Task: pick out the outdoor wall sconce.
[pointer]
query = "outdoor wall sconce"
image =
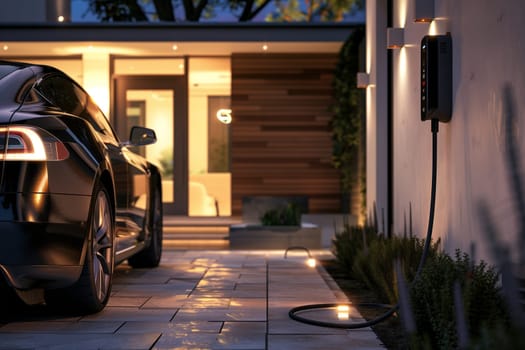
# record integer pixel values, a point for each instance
(424, 11)
(363, 80)
(395, 38)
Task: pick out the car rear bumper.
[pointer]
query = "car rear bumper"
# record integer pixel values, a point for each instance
(42, 238)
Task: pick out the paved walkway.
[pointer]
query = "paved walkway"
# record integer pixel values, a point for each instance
(198, 299)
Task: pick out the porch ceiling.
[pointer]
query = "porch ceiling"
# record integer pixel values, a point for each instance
(170, 40)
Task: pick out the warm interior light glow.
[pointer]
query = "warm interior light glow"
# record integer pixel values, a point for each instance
(174, 47)
(5, 47)
(265, 47)
(61, 19)
(95, 78)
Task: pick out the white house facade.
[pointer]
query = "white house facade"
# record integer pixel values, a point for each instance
(488, 56)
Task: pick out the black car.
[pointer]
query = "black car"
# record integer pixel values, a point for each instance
(74, 200)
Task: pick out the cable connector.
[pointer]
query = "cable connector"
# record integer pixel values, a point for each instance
(435, 126)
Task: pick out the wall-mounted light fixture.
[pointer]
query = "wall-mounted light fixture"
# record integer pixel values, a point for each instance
(424, 11)
(395, 38)
(363, 80)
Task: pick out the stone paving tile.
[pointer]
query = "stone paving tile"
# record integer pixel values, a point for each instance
(219, 315)
(168, 289)
(20, 341)
(135, 301)
(250, 290)
(171, 341)
(321, 342)
(59, 327)
(216, 300)
(132, 314)
(206, 303)
(166, 302)
(180, 328)
(242, 335)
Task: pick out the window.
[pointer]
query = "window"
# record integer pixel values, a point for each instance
(62, 93)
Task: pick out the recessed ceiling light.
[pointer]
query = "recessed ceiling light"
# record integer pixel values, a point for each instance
(60, 18)
(5, 47)
(265, 47)
(174, 47)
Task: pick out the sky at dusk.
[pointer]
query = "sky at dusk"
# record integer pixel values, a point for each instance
(80, 13)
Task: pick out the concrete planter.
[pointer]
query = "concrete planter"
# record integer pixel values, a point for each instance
(274, 237)
(330, 225)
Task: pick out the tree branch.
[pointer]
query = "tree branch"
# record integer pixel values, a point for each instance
(248, 14)
(164, 9)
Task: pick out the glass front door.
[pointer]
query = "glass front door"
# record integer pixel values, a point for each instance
(154, 109)
(157, 103)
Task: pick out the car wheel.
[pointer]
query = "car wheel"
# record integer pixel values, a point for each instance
(91, 292)
(9, 300)
(151, 255)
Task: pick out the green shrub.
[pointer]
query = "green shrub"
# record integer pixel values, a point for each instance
(375, 267)
(347, 244)
(289, 215)
(501, 337)
(433, 305)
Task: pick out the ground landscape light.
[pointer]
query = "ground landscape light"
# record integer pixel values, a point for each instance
(343, 312)
(311, 262)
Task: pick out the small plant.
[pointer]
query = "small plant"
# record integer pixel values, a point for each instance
(433, 305)
(290, 215)
(350, 242)
(375, 267)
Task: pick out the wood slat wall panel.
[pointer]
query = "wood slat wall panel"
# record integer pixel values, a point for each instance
(281, 138)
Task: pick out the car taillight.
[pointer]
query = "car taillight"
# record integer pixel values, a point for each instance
(30, 144)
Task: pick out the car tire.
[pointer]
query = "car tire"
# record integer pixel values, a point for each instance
(151, 255)
(10, 303)
(91, 292)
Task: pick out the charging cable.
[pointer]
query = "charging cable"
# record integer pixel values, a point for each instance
(294, 313)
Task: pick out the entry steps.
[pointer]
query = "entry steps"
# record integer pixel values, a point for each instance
(183, 232)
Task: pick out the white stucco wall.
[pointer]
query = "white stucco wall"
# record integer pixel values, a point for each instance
(376, 112)
(488, 52)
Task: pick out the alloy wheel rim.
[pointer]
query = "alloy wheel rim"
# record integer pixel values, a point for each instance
(157, 221)
(102, 251)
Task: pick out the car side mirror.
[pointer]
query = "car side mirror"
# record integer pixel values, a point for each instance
(140, 136)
